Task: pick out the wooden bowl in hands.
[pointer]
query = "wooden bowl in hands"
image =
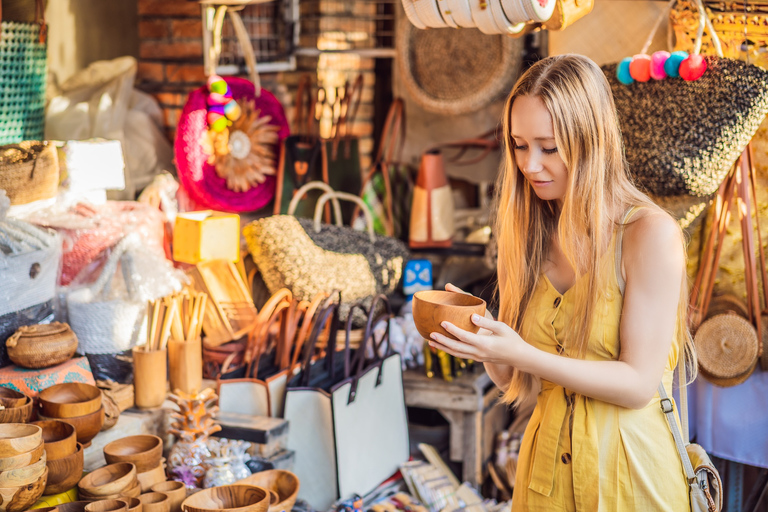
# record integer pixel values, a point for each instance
(108, 480)
(70, 400)
(18, 438)
(176, 492)
(21, 460)
(23, 476)
(20, 414)
(284, 483)
(235, 498)
(155, 502)
(17, 499)
(144, 451)
(59, 438)
(86, 427)
(432, 307)
(63, 474)
(107, 506)
(10, 398)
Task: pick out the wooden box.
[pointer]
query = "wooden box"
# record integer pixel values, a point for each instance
(205, 236)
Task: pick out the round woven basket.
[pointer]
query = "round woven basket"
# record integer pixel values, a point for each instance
(29, 171)
(727, 348)
(42, 346)
(454, 72)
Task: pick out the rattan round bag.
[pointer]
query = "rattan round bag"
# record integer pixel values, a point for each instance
(454, 72)
(41, 346)
(29, 171)
(727, 349)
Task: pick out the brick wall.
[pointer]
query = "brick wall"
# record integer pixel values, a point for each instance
(171, 65)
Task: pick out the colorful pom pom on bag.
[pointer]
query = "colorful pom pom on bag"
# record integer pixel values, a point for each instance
(229, 133)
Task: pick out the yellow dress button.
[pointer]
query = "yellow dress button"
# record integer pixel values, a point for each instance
(566, 458)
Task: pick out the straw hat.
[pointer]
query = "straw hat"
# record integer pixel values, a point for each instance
(456, 71)
(727, 349)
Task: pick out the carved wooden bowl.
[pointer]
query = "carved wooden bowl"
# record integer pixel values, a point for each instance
(235, 498)
(21, 460)
(432, 307)
(18, 499)
(107, 506)
(63, 474)
(69, 400)
(284, 483)
(11, 398)
(20, 414)
(134, 504)
(18, 438)
(86, 427)
(59, 438)
(72, 506)
(23, 476)
(154, 476)
(144, 451)
(108, 480)
(176, 492)
(155, 502)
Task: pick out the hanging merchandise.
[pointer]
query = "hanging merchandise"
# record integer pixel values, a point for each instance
(23, 52)
(681, 135)
(490, 16)
(29, 265)
(432, 209)
(228, 134)
(567, 12)
(29, 171)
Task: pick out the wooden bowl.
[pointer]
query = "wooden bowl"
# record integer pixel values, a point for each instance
(154, 476)
(59, 438)
(176, 492)
(24, 459)
(11, 398)
(23, 476)
(133, 491)
(134, 504)
(144, 451)
(155, 502)
(18, 438)
(69, 400)
(110, 479)
(72, 506)
(63, 474)
(107, 506)
(20, 414)
(432, 307)
(235, 498)
(86, 427)
(18, 499)
(47, 509)
(284, 483)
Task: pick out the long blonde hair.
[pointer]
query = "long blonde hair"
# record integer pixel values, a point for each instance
(586, 129)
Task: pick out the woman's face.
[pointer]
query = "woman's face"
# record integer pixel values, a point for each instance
(535, 149)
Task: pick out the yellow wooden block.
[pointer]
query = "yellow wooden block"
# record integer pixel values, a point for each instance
(205, 236)
(56, 499)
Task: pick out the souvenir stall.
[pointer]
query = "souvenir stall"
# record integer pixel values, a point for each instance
(222, 252)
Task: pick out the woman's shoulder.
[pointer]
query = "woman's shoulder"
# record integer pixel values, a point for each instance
(652, 232)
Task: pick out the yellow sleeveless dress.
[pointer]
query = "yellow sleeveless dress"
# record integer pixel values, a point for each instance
(586, 455)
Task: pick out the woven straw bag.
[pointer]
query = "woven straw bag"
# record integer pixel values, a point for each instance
(42, 346)
(29, 171)
(106, 324)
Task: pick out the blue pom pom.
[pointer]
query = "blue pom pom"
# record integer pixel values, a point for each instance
(672, 66)
(622, 72)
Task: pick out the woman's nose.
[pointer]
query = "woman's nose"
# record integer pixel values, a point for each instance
(532, 163)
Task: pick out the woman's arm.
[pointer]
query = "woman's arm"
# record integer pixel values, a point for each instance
(654, 268)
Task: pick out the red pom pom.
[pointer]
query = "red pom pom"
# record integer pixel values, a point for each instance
(640, 67)
(693, 67)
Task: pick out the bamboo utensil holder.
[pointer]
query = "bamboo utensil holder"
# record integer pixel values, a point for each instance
(150, 375)
(185, 361)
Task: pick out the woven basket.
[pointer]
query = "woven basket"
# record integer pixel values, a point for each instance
(23, 71)
(727, 349)
(29, 171)
(42, 346)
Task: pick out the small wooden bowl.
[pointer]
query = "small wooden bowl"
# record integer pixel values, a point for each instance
(144, 451)
(235, 498)
(155, 502)
(63, 474)
(107, 506)
(18, 499)
(176, 492)
(86, 427)
(134, 504)
(72, 506)
(23, 476)
(10, 398)
(432, 307)
(59, 438)
(70, 400)
(133, 491)
(18, 438)
(110, 479)
(46, 509)
(154, 476)
(24, 459)
(284, 483)
(20, 414)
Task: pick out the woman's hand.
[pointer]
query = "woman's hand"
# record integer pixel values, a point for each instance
(495, 342)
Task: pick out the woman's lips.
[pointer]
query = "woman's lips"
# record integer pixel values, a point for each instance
(540, 183)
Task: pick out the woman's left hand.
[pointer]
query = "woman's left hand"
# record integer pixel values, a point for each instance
(502, 346)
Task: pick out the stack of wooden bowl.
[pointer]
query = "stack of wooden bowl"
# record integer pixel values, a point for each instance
(243, 498)
(23, 473)
(110, 482)
(283, 483)
(75, 403)
(64, 454)
(15, 407)
(143, 451)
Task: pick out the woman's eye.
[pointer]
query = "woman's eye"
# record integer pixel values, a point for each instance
(520, 147)
(549, 151)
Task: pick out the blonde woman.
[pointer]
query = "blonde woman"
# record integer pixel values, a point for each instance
(593, 295)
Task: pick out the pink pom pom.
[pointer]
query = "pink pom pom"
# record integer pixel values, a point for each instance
(658, 59)
(215, 98)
